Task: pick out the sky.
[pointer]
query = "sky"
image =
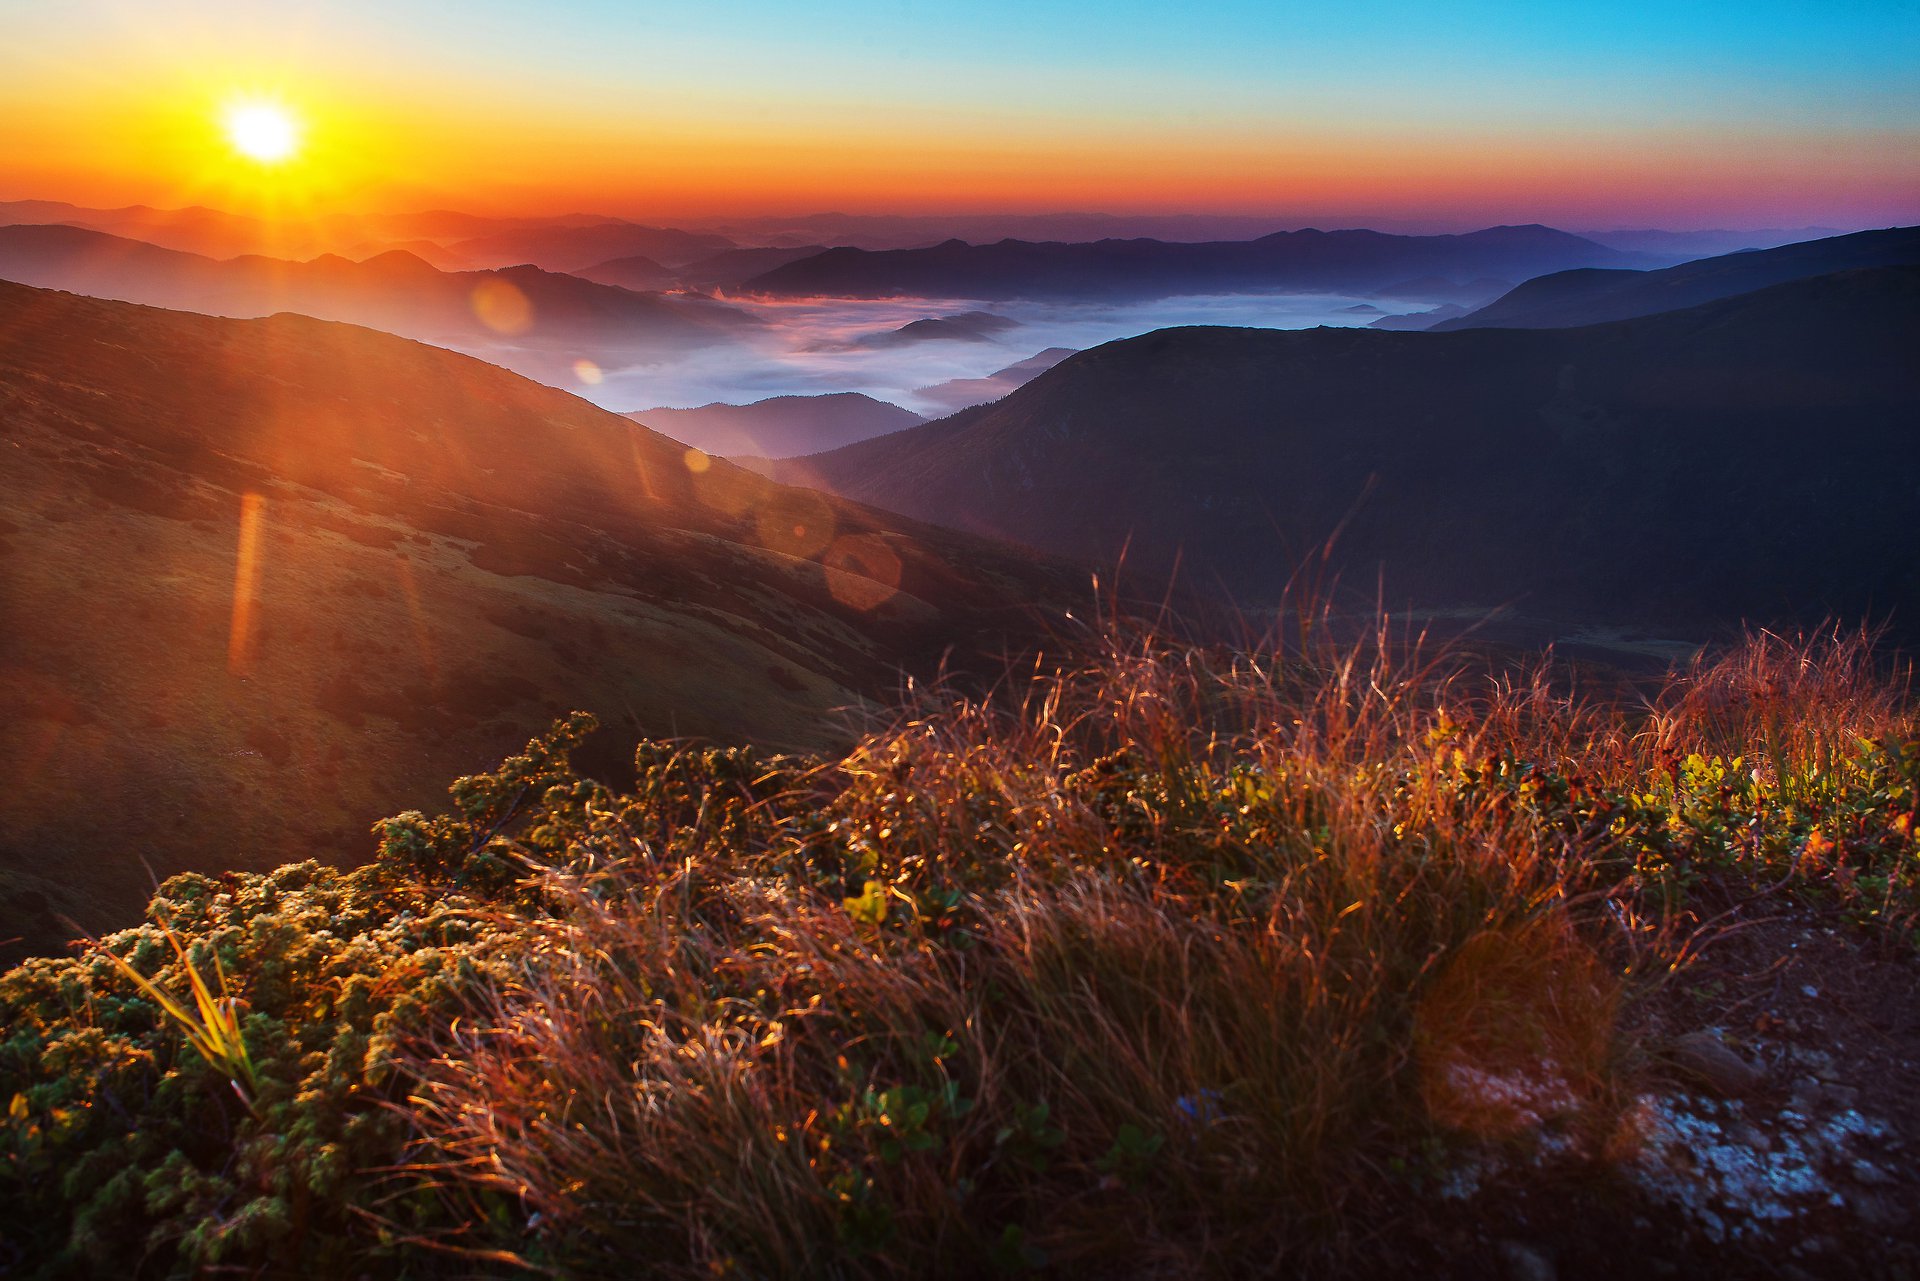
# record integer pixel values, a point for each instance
(1760, 113)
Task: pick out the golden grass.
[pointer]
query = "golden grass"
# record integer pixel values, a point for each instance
(1141, 965)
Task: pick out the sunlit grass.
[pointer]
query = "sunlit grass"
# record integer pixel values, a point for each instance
(1174, 959)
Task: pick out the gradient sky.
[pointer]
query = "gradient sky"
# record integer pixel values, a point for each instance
(1758, 113)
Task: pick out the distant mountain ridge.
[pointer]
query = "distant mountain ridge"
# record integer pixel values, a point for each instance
(967, 326)
(551, 319)
(1354, 261)
(220, 234)
(780, 426)
(576, 248)
(1725, 461)
(721, 271)
(958, 393)
(1588, 297)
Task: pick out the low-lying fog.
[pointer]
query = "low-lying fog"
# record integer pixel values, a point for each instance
(812, 347)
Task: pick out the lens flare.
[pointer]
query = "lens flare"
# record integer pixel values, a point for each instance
(246, 586)
(501, 307)
(867, 571)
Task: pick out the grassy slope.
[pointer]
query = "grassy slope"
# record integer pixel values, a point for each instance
(1184, 961)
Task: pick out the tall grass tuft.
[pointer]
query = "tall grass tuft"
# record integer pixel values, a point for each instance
(212, 1025)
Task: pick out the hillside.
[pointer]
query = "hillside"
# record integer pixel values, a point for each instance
(1591, 296)
(268, 580)
(1360, 261)
(1695, 467)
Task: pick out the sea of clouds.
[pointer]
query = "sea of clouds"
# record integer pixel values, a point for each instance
(808, 347)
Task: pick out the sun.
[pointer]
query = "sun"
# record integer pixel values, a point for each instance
(262, 131)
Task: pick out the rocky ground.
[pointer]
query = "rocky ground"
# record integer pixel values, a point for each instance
(1775, 1130)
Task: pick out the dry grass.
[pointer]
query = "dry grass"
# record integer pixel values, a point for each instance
(1148, 969)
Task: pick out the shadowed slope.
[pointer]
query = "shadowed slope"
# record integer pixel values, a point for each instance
(1737, 459)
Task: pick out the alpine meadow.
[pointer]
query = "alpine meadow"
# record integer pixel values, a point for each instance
(886, 641)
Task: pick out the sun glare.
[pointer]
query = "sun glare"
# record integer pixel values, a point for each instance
(262, 131)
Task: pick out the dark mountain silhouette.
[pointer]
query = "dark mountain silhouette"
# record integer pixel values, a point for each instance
(267, 580)
(1354, 261)
(1744, 458)
(535, 321)
(1590, 297)
(968, 326)
(958, 393)
(782, 425)
(577, 248)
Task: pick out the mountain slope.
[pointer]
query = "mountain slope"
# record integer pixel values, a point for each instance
(267, 580)
(1734, 459)
(1588, 297)
(1343, 260)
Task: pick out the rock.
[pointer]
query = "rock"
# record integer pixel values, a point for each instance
(1703, 1058)
(1523, 1262)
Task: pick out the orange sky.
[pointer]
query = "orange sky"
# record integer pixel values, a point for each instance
(517, 118)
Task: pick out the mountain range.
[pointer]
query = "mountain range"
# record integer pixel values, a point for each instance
(1336, 261)
(527, 318)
